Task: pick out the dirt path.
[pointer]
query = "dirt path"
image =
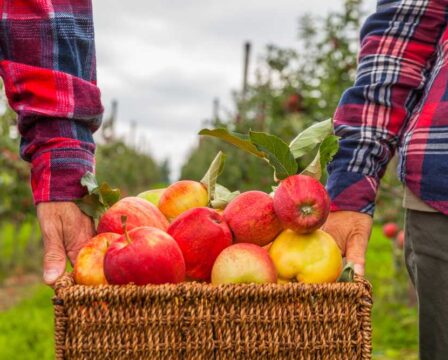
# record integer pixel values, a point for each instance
(16, 288)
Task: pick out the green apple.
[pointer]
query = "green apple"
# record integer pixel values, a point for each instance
(153, 196)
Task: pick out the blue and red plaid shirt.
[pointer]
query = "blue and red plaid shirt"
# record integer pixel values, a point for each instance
(399, 101)
(47, 62)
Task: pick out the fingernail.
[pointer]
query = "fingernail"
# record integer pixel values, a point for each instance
(50, 276)
(359, 269)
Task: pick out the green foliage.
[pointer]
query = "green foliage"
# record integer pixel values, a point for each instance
(222, 197)
(122, 166)
(263, 145)
(277, 153)
(254, 173)
(99, 197)
(27, 330)
(211, 176)
(284, 158)
(311, 137)
(20, 248)
(395, 330)
(241, 141)
(327, 150)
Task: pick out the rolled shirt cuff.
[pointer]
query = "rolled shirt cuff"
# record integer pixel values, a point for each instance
(351, 191)
(57, 171)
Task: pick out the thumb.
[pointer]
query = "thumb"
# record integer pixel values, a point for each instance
(54, 258)
(356, 253)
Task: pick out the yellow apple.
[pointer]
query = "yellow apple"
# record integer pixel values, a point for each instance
(89, 269)
(310, 258)
(182, 196)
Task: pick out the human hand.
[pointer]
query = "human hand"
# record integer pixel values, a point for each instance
(351, 230)
(65, 230)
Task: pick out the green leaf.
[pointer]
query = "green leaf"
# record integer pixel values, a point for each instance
(347, 273)
(91, 205)
(107, 195)
(309, 138)
(210, 177)
(241, 141)
(314, 169)
(223, 196)
(327, 150)
(277, 153)
(98, 199)
(89, 181)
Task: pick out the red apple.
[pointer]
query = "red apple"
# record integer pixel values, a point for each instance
(252, 218)
(89, 263)
(182, 196)
(243, 263)
(390, 229)
(139, 212)
(144, 255)
(293, 103)
(201, 234)
(301, 203)
(400, 239)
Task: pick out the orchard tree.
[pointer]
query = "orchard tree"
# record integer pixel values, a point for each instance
(128, 169)
(293, 88)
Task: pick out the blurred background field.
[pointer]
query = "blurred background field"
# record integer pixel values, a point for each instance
(286, 90)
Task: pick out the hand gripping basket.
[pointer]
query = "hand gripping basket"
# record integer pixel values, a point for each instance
(202, 321)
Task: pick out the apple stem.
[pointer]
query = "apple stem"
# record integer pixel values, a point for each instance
(306, 210)
(124, 220)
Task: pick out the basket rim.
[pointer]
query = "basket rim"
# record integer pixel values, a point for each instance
(66, 284)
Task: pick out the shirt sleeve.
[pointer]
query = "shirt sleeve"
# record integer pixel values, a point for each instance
(47, 62)
(398, 47)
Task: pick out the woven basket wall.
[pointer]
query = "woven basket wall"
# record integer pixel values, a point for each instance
(201, 321)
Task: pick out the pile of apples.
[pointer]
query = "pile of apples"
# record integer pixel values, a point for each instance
(171, 235)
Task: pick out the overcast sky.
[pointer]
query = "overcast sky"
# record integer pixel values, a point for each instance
(166, 60)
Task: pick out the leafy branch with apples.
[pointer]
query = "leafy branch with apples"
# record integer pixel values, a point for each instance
(202, 231)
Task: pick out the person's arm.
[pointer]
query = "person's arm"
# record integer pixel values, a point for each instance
(47, 62)
(398, 46)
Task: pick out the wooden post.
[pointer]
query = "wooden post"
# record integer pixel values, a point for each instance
(242, 114)
(215, 109)
(108, 127)
(247, 48)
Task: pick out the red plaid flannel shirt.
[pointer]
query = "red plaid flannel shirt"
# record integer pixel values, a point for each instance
(399, 101)
(47, 62)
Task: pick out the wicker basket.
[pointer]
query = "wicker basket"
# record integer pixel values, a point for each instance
(202, 321)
